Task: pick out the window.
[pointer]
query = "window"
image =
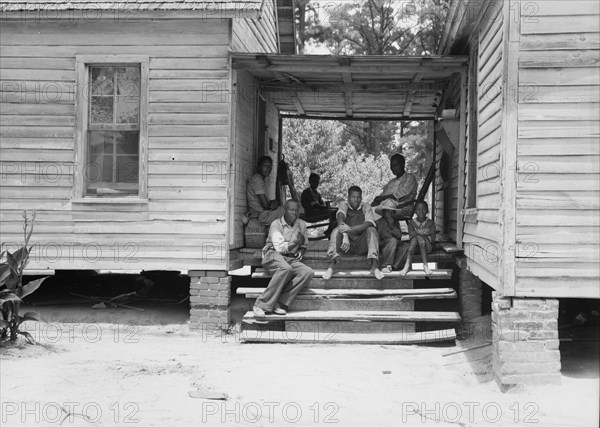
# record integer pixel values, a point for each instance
(112, 118)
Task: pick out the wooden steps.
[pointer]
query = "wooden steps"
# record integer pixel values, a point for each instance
(354, 307)
(407, 338)
(354, 316)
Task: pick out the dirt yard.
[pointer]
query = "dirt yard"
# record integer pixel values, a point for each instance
(139, 368)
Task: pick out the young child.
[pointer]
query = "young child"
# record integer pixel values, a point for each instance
(389, 233)
(422, 235)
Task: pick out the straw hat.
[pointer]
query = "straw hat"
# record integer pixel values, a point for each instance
(388, 204)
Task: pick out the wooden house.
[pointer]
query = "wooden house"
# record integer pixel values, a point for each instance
(117, 129)
(132, 126)
(517, 189)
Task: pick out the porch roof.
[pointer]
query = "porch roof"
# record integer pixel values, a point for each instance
(353, 87)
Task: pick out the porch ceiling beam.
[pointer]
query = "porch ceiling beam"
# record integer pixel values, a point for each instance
(409, 102)
(364, 117)
(298, 104)
(355, 68)
(419, 88)
(348, 101)
(265, 62)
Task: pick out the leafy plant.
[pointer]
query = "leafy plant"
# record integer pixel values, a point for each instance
(12, 290)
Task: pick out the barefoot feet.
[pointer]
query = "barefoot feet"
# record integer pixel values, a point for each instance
(328, 273)
(377, 273)
(426, 269)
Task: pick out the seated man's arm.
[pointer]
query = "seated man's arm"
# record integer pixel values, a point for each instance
(369, 220)
(411, 230)
(279, 243)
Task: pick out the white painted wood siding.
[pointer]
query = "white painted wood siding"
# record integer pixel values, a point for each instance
(183, 223)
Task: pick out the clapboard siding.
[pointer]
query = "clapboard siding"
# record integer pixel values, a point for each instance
(558, 152)
(244, 152)
(183, 224)
(482, 232)
(256, 35)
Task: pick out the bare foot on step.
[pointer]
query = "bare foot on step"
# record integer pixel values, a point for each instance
(403, 272)
(328, 273)
(427, 270)
(377, 273)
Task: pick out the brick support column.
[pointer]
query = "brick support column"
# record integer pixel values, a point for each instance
(210, 295)
(525, 340)
(469, 295)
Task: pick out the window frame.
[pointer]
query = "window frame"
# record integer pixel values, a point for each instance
(83, 63)
(472, 170)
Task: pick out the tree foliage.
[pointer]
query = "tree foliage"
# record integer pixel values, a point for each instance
(318, 146)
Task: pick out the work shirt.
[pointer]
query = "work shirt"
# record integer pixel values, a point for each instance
(401, 187)
(358, 216)
(255, 186)
(281, 234)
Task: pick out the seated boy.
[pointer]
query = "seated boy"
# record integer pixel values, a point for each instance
(390, 235)
(355, 233)
(422, 235)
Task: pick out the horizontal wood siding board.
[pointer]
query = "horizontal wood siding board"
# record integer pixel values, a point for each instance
(548, 42)
(560, 24)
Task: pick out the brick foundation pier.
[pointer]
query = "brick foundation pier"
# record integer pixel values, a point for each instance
(210, 295)
(525, 340)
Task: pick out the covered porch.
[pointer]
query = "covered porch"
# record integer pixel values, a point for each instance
(366, 88)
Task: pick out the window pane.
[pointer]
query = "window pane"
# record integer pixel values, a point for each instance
(127, 169)
(128, 82)
(107, 169)
(128, 94)
(102, 80)
(128, 110)
(127, 142)
(102, 110)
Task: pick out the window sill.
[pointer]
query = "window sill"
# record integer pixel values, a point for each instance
(123, 200)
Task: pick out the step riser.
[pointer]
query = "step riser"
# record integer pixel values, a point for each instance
(351, 305)
(317, 262)
(323, 330)
(361, 283)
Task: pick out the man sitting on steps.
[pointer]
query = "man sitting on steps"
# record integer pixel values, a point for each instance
(259, 205)
(281, 258)
(355, 233)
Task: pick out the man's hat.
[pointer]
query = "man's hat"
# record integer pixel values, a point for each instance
(388, 204)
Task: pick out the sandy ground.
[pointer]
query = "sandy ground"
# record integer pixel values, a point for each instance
(138, 369)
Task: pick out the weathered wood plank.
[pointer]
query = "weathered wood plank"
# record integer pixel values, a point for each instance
(559, 129)
(559, 76)
(319, 292)
(537, 180)
(404, 338)
(558, 200)
(361, 316)
(561, 112)
(557, 218)
(559, 58)
(559, 24)
(558, 287)
(532, 93)
(414, 274)
(545, 42)
(564, 165)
